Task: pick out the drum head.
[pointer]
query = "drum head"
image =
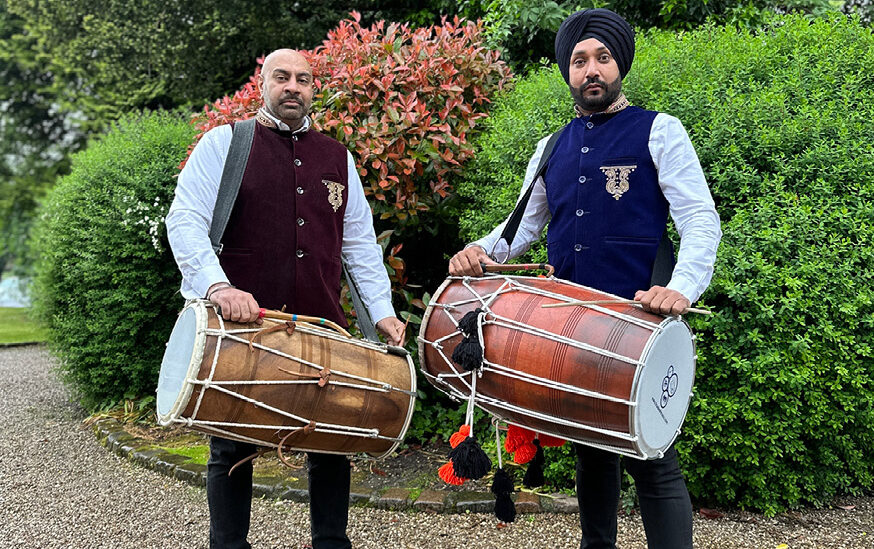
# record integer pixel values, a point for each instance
(181, 358)
(664, 388)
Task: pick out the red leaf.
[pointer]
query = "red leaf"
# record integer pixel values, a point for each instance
(710, 513)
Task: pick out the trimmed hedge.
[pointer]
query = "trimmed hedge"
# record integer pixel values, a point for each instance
(783, 122)
(105, 277)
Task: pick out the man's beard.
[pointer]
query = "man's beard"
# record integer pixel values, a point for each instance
(280, 111)
(602, 101)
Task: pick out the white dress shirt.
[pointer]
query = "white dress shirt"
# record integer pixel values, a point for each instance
(682, 182)
(190, 218)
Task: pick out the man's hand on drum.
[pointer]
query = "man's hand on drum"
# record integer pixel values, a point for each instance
(469, 262)
(659, 299)
(393, 329)
(236, 305)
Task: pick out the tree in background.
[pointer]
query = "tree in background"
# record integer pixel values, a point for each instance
(524, 30)
(34, 137)
(71, 67)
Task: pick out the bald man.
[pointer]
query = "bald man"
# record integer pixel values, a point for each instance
(614, 175)
(300, 207)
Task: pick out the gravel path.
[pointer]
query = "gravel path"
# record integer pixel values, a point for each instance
(60, 489)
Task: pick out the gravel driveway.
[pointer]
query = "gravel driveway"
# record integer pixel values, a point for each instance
(60, 489)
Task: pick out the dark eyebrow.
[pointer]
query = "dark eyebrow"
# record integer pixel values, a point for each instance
(282, 72)
(601, 49)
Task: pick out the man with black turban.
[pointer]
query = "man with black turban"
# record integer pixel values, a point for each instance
(606, 183)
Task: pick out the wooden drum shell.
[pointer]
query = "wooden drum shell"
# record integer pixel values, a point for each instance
(334, 404)
(550, 358)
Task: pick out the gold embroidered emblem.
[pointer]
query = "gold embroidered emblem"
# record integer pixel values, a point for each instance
(617, 179)
(335, 193)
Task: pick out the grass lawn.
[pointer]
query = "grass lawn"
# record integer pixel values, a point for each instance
(17, 327)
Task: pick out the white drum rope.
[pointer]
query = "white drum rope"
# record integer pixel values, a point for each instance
(222, 334)
(289, 415)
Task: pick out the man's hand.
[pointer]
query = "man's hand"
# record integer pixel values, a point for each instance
(659, 299)
(236, 305)
(468, 262)
(393, 329)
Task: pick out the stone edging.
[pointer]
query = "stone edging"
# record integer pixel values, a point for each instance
(116, 439)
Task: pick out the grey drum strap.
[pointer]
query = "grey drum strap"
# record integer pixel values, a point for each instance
(232, 177)
(663, 267)
(365, 323)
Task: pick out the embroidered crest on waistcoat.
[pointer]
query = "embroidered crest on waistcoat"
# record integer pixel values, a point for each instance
(617, 179)
(335, 193)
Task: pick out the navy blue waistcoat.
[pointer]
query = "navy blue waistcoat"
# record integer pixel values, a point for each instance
(608, 211)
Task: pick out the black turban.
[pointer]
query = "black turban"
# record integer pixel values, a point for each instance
(604, 25)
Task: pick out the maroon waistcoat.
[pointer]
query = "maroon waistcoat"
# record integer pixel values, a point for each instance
(283, 239)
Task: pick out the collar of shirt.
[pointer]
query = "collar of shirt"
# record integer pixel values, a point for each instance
(267, 119)
(618, 105)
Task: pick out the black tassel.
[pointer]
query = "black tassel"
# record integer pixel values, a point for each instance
(469, 460)
(534, 474)
(502, 487)
(468, 353)
(469, 322)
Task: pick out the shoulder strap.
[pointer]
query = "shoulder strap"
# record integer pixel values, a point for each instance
(232, 177)
(509, 232)
(663, 267)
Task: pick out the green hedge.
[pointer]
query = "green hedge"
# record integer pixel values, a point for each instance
(105, 277)
(783, 122)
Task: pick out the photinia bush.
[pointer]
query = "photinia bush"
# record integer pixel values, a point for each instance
(404, 101)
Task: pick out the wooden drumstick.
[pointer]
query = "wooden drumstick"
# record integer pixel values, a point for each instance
(616, 302)
(277, 315)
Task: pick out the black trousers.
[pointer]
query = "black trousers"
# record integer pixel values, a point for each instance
(664, 500)
(230, 497)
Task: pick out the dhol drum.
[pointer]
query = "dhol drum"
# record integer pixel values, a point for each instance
(613, 377)
(291, 385)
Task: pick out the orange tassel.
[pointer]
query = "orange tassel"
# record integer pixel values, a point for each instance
(447, 475)
(525, 453)
(459, 436)
(516, 437)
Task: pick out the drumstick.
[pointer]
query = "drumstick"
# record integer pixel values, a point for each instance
(616, 302)
(277, 315)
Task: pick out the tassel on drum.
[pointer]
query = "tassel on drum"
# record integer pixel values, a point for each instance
(469, 352)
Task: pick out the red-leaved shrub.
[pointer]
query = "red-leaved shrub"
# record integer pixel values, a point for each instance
(403, 100)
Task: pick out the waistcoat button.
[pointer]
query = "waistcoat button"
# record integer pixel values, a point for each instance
(297, 161)
(300, 253)
(582, 179)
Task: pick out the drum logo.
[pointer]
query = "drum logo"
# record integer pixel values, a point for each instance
(669, 386)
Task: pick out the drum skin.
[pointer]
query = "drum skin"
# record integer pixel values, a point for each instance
(333, 404)
(546, 358)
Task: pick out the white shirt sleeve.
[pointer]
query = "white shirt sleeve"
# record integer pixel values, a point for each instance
(361, 253)
(536, 214)
(190, 215)
(691, 205)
